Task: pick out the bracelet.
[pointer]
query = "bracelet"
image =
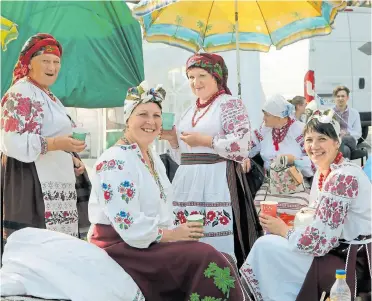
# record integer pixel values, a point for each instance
(44, 145)
(212, 143)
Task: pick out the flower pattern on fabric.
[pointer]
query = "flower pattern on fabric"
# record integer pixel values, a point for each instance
(21, 114)
(61, 217)
(211, 217)
(160, 235)
(332, 212)
(250, 278)
(124, 220)
(301, 141)
(342, 185)
(234, 141)
(315, 242)
(258, 135)
(180, 216)
(215, 218)
(107, 192)
(110, 165)
(127, 191)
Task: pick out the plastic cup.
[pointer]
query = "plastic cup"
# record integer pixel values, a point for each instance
(269, 208)
(168, 121)
(79, 134)
(196, 218)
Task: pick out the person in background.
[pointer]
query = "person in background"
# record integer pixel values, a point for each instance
(39, 171)
(211, 140)
(300, 105)
(281, 137)
(349, 119)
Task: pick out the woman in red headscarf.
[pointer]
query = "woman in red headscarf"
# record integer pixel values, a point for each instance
(212, 138)
(38, 169)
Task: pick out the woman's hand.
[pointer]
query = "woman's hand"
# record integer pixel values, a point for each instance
(188, 231)
(79, 166)
(65, 143)
(196, 139)
(246, 165)
(170, 136)
(274, 225)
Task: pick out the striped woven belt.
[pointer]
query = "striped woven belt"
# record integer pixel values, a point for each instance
(200, 158)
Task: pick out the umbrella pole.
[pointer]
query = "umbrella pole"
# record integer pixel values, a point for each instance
(237, 49)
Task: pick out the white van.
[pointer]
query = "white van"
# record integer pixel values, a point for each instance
(344, 58)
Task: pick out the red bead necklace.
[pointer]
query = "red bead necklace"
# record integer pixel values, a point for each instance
(47, 91)
(279, 134)
(322, 177)
(200, 106)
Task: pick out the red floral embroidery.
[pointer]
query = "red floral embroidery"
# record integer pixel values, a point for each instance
(332, 212)
(342, 185)
(107, 192)
(110, 165)
(21, 114)
(211, 215)
(258, 135)
(234, 147)
(250, 278)
(316, 243)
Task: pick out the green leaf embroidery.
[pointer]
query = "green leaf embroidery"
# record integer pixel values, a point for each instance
(194, 297)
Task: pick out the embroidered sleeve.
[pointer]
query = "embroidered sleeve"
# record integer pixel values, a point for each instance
(235, 141)
(256, 142)
(21, 121)
(119, 196)
(324, 232)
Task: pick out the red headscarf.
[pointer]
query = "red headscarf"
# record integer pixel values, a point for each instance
(39, 42)
(214, 64)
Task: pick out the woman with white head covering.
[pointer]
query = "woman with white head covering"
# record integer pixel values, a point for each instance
(280, 136)
(333, 233)
(131, 209)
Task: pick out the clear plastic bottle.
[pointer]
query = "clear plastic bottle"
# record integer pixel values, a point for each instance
(340, 291)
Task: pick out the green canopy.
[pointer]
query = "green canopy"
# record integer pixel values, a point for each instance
(102, 48)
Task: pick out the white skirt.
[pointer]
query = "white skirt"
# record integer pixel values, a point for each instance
(273, 272)
(202, 189)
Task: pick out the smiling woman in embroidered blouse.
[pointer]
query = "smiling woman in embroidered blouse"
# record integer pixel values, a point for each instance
(281, 136)
(38, 179)
(335, 230)
(131, 209)
(213, 136)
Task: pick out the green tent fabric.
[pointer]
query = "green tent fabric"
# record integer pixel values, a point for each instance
(102, 48)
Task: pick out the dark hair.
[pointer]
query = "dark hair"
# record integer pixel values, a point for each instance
(341, 88)
(327, 129)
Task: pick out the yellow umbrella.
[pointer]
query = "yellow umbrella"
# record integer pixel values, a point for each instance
(221, 25)
(9, 32)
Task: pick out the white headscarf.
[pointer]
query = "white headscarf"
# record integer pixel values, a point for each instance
(142, 94)
(278, 106)
(327, 116)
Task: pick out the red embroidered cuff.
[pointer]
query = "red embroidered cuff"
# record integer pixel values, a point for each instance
(160, 235)
(44, 145)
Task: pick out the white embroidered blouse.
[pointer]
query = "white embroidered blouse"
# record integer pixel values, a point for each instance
(343, 211)
(126, 195)
(226, 121)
